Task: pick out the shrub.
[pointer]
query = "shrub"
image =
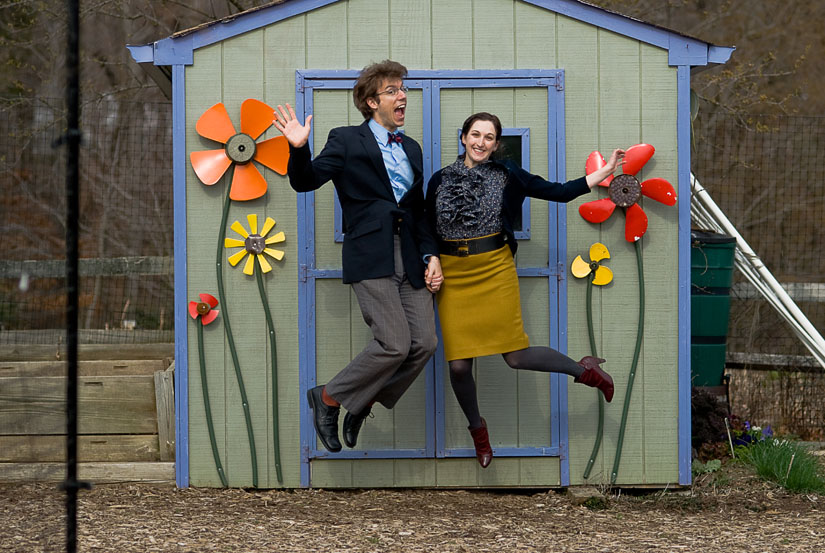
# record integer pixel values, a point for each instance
(789, 464)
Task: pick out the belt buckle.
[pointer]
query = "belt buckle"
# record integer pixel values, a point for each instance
(463, 249)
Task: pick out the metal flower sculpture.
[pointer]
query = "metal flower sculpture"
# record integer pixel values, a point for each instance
(205, 310)
(601, 274)
(255, 244)
(625, 191)
(239, 148)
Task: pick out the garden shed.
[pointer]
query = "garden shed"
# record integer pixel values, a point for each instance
(566, 78)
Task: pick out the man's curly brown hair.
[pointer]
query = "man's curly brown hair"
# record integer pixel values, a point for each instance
(370, 78)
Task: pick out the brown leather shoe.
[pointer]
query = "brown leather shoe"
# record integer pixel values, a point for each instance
(481, 440)
(595, 377)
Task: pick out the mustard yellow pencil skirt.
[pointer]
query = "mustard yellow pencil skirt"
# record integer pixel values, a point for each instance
(479, 305)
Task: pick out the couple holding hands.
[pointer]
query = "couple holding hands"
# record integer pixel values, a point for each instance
(401, 247)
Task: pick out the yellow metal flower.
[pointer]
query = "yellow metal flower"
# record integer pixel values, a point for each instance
(581, 268)
(255, 244)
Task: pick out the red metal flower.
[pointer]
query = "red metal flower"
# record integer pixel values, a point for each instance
(239, 148)
(205, 309)
(625, 191)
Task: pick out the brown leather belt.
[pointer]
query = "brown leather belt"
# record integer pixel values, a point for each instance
(472, 246)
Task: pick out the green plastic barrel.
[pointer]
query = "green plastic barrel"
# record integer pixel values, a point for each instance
(711, 276)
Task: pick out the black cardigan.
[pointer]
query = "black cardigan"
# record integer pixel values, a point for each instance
(520, 185)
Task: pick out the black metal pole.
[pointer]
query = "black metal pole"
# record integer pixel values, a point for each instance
(72, 140)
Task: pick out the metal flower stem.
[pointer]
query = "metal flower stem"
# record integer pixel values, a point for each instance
(632, 375)
(207, 407)
(231, 341)
(594, 353)
(274, 362)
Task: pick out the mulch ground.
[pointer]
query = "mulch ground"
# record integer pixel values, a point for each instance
(728, 511)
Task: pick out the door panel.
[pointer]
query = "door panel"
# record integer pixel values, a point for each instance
(526, 411)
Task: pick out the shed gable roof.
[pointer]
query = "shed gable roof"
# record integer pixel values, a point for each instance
(178, 49)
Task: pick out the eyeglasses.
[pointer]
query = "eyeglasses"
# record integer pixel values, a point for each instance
(392, 91)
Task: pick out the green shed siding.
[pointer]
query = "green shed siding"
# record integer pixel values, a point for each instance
(618, 92)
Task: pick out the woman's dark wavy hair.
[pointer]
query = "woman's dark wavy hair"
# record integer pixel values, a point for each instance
(370, 79)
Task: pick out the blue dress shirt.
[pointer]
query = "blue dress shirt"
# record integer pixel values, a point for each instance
(395, 160)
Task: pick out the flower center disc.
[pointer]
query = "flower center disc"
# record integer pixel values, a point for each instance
(240, 148)
(203, 308)
(255, 243)
(625, 190)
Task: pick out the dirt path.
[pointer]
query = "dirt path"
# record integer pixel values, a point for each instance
(729, 515)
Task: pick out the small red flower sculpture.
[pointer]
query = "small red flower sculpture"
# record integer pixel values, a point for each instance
(239, 148)
(205, 309)
(625, 191)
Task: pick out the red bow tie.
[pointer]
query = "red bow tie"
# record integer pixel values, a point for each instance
(393, 137)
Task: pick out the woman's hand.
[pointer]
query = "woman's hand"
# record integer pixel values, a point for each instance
(286, 122)
(616, 159)
(597, 176)
(433, 277)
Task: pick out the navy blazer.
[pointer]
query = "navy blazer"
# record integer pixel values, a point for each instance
(352, 160)
(520, 185)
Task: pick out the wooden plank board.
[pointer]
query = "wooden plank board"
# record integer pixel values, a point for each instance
(97, 473)
(535, 37)
(493, 35)
(451, 32)
(411, 33)
(107, 405)
(93, 448)
(367, 32)
(84, 368)
(37, 352)
(203, 215)
(658, 383)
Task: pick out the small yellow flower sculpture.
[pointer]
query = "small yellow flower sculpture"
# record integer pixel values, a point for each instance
(255, 244)
(581, 268)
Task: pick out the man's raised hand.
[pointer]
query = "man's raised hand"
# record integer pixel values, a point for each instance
(286, 122)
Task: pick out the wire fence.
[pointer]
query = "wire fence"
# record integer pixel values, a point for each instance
(766, 173)
(126, 287)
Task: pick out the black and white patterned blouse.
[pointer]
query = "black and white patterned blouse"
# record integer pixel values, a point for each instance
(468, 202)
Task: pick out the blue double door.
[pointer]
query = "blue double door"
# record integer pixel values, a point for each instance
(526, 412)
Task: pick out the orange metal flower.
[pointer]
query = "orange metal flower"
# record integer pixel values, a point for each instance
(205, 309)
(239, 148)
(625, 191)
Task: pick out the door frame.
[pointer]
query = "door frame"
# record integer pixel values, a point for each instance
(431, 83)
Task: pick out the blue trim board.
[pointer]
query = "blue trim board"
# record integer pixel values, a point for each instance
(181, 290)
(684, 370)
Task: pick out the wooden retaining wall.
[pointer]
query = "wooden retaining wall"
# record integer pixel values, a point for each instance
(125, 412)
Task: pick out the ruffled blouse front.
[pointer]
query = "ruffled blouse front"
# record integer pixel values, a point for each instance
(469, 201)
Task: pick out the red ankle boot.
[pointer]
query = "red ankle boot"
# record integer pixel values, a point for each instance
(484, 453)
(595, 377)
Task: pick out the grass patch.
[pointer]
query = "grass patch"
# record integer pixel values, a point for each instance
(788, 464)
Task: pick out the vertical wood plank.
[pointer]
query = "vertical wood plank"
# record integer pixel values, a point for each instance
(660, 379)
(204, 88)
(452, 30)
(368, 32)
(410, 33)
(493, 37)
(534, 37)
(326, 37)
